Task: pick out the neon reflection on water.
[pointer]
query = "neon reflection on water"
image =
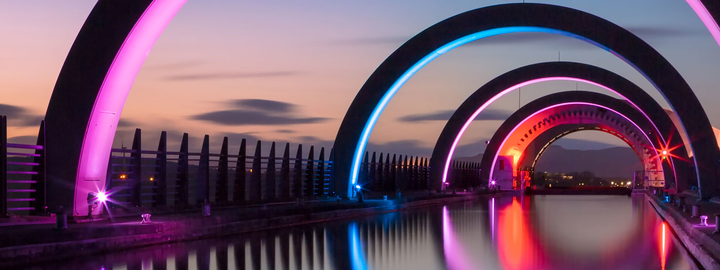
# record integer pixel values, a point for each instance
(492, 220)
(454, 255)
(663, 246)
(356, 255)
(515, 242)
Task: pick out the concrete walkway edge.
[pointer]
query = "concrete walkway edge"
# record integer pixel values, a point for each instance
(17, 256)
(704, 249)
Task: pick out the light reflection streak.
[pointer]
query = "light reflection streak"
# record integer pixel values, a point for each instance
(516, 247)
(663, 247)
(454, 253)
(492, 221)
(358, 261)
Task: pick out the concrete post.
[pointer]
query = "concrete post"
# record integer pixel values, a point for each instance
(681, 201)
(240, 175)
(206, 209)
(61, 219)
(695, 210)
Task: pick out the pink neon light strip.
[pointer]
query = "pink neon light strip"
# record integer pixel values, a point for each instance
(523, 84)
(706, 18)
(100, 132)
(492, 168)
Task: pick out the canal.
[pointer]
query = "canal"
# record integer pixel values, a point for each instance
(534, 232)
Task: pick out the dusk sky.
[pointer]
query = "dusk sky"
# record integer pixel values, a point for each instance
(286, 71)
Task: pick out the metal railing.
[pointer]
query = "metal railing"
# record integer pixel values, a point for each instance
(22, 174)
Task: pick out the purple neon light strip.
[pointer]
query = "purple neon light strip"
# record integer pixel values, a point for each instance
(523, 84)
(492, 168)
(706, 18)
(100, 132)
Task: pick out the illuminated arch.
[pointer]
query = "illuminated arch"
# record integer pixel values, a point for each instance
(709, 12)
(537, 147)
(107, 54)
(570, 109)
(473, 25)
(523, 76)
(90, 93)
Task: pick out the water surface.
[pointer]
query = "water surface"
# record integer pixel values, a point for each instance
(536, 232)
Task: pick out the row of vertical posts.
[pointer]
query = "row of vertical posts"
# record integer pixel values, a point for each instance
(463, 174)
(22, 174)
(384, 174)
(256, 178)
(390, 175)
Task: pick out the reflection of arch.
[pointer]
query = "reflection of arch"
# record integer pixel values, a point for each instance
(455, 256)
(480, 23)
(569, 109)
(473, 105)
(632, 241)
(90, 94)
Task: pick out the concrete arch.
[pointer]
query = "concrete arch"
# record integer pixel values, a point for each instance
(569, 110)
(709, 13)
(668, 134)
(90, 93)
(107, 54)
(495, 20)
(537, 147)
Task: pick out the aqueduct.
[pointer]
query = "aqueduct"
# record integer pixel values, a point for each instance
(92, 87)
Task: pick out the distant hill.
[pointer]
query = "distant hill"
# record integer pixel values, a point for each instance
(610, 162)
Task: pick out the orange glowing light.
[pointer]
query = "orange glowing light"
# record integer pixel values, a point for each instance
(516, 245)
(122, 176)
(152, 178)
(663, 246)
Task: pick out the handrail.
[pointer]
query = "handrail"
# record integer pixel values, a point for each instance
(25, 146)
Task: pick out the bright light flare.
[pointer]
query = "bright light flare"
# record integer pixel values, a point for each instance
(101, 196)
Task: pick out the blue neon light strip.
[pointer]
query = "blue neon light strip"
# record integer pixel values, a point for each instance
(367, 130)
